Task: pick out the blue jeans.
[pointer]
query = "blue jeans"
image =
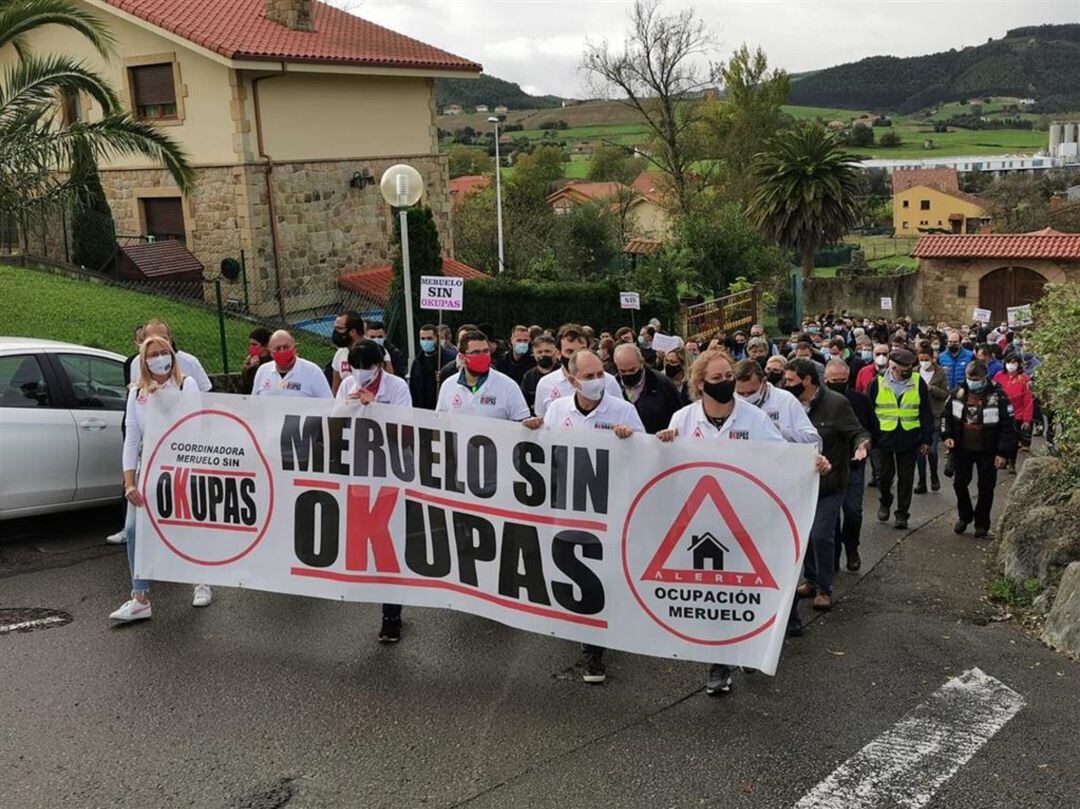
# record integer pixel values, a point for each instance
(935, 446)
(820, 564)
(141, 586)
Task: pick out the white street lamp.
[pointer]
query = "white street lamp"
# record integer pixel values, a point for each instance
(498, 190)
(401, 187)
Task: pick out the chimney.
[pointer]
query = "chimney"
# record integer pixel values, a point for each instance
(295, 14)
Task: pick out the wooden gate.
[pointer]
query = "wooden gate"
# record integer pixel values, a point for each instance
(737, 311)
(1009, 286)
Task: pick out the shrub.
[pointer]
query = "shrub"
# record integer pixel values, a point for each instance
(1056, 341)
(890, 138)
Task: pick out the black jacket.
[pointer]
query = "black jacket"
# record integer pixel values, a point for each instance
(422, 383)
(529, 382)
(901, 440)
(515, 369)
(834, 418)
(397, 358)
(960, 421)
(864, 412)
(658, 402)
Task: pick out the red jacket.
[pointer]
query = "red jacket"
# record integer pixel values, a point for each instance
(1018, 388)
(866, 375)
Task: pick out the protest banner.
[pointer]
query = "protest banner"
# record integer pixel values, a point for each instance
(443, 293)
(981, 315)
(1019, 315)
(886, 304)
(663, 343)
(690, 550)
(629, 300)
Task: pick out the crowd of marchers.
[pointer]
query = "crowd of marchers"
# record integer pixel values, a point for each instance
(881, 401)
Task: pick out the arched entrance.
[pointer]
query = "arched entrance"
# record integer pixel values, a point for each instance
(1009, 286)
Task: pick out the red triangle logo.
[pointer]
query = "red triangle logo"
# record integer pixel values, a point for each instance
(698, 434)
(568, 424)
(457, 400)
(759, 576)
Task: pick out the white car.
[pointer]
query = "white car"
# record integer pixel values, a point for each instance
(61, 406)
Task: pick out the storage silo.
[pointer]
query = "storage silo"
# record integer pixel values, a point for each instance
(1055, 137)
(1069, 134)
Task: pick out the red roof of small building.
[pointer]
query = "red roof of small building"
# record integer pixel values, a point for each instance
(373, 283)
(939, 179)
(1048, 244)
(167, 258)
(652, 185)
(643, 247)
(240, 29)
(461, 187)
(589, 191)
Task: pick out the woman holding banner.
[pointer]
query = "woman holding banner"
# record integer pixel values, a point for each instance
(159, 376)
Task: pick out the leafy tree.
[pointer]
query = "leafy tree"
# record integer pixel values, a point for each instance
(465, 160)
(656, 73)
(751, 113)
(536, 173)
(36, 151)
(862, 135)
(806, 191)
(890, 139)
(586, 239)
(1056, 339)
(425, 258)
(614, 163)
(93, 230)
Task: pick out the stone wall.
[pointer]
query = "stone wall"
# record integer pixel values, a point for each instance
(942, 280)
(861, 295)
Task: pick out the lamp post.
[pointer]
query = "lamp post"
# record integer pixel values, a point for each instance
(498, 190)
(401, 187)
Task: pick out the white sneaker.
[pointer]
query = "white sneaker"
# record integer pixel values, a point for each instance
(116, 539)
(202, 595)
(131, 611)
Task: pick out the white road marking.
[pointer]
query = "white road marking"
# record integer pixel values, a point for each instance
(908, 763)
(34, 624)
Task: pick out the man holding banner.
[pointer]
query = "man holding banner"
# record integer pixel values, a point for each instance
(480, 390)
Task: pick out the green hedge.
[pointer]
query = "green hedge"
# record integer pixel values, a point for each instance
(504, 302)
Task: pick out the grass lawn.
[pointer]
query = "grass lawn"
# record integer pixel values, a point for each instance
(617, 133)
(825, 113)
(54, 307)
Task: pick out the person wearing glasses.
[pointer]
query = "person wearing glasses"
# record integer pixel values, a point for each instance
(478, 389)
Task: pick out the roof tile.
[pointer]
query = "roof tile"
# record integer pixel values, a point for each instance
(374, 282)
(1053, 245)
(941, 179)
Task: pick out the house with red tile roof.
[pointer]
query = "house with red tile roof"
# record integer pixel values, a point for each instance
(930, 201)
(958, 273)
(461, 187)
(640, 203)
(290, 111)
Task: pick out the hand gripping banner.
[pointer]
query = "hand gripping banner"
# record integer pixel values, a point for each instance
(689, 550)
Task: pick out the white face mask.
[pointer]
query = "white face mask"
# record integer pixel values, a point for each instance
(1011, 367)
(926, 365)
(592, 389)
(160, 365)
(880, 360)
(364, 377)
(754, 398)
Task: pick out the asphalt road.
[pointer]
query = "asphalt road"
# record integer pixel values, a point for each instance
(273, 701)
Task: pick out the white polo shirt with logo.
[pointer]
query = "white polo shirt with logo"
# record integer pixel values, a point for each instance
(555, 386)
(564, 414)
(305, 378)
(497, 397)
(789, 416)
(746, 422)
(393, 390)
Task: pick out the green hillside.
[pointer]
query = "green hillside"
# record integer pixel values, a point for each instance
(1040, 62)
(491, 91)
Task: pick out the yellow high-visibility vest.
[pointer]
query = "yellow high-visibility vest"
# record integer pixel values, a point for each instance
(891, 413)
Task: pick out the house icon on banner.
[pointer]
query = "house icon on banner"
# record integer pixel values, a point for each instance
(708, 549)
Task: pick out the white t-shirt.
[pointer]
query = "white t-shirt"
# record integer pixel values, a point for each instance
(189, 367)
(136, 407)
(789, 416)
(393, 390)
(563, 414)
(498, 397)
(341, 362)
(556, 385)
(746, 422)
(305, 378)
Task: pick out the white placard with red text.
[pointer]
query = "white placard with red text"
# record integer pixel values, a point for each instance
(690, 550)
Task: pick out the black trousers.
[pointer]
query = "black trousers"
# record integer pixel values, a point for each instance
(899, 465)
(391, 612)
(966, 462)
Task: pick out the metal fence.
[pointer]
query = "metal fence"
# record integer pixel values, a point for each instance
(737, 311)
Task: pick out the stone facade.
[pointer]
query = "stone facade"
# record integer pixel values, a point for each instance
(940, 282)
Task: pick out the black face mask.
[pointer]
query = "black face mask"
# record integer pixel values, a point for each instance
(339, 338)
(629, 380)
(954, 349)
(721, 392)
(795, 390)
(775, 377)
(564, 362)
(672, 370)
(839, 387)
(546, 362)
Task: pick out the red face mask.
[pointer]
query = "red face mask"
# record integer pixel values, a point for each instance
(478, 363)
(254, 351)
(284, 357)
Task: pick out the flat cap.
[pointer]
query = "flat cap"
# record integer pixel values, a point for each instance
(901, 356)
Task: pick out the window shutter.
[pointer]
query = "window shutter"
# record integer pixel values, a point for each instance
(164, 217)
(153, 84)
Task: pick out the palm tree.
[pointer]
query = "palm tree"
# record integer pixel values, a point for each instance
(36, 150)
(805, 191)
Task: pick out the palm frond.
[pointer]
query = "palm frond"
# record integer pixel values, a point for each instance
(36, 81)
(20, 17)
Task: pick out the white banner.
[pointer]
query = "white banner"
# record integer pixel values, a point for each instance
(1019, 315)
(981, 315)
(442, 292)
(886, 304)
(629, 300)
(689, 550)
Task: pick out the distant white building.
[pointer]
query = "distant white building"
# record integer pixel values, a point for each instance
(995, 164)
(452, 109)
(1025, 102)
(501, 109)
(481, 108)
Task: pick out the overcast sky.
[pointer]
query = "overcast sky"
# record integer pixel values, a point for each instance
(538, 43)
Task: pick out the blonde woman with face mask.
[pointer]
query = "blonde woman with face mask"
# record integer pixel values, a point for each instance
(159, 376)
